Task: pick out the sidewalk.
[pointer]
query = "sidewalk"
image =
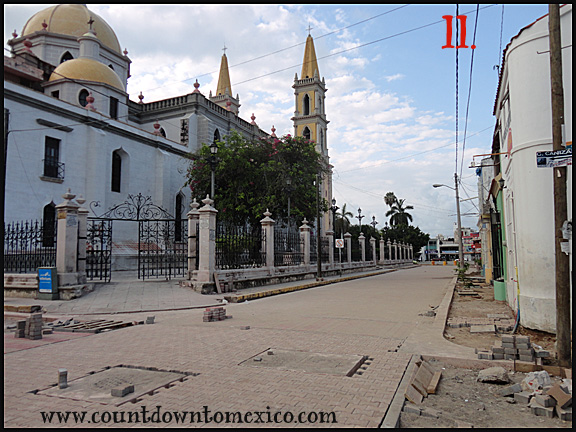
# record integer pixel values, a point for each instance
(127, 294)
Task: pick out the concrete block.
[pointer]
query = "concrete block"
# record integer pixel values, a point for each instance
(122, 391)
(528, 351)
(545, 400)
(486, 355)
(510, 390)
(523, 346)
(510, 351)
(507, 339)
(497, 350)
(542, 353)
(523, 397)
(498, 356)
(522, 340)
(510, 356)
(430, 412)
(508, 345)
(411, 409)
(526, 358)
(564, 414)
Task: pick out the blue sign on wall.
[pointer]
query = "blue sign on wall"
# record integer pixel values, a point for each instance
(46, 279)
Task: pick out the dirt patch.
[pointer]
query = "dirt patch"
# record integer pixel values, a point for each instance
(461, 401)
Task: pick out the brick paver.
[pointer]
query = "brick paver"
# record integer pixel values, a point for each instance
(369, 317)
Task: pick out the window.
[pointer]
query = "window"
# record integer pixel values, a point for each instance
(306, 105)
(163, 132)
(82, 97)
(52, 166)
(49, 225)
(56, 94)
(178, 220)
(66, 56)
(116, 171)
(113, 108)
(216, 136)
(306, 133)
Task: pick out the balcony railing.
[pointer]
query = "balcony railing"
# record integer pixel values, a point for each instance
(53, 169)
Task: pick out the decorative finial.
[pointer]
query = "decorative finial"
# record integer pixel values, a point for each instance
(125, 52)
(309, 28)
(14, 35)
(157, 128)
(89, 105)
(224, 49)
(273, 131)
(253, 117)
(28, 45)
(44, 25)
(196, 86)
(90, 22)
(141, 97)
(228, 104)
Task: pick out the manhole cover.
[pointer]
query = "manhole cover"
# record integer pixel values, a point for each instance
(334, 364)
(97, 387)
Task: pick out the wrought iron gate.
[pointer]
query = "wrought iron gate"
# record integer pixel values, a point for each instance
(162, 239)
(99, 249)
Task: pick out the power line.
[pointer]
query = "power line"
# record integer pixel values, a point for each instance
(469, 89)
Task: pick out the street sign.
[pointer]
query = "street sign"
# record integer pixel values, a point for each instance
(556, 158)
(340, 243)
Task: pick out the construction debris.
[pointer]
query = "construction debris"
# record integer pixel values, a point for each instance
(515, 347)
(423, 382)
(212, 314)
(93, 326)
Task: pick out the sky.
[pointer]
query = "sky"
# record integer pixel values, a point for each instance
(391, 99)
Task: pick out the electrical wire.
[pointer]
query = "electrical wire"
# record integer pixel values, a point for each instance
(469, 90)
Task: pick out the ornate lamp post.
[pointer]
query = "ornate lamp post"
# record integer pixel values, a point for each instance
(359, 217)
(334, 209)
(374, 223)
(213, 160)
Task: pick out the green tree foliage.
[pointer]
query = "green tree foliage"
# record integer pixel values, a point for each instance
(342, 221)
(398, 214)
(251, 178)
(406, 234)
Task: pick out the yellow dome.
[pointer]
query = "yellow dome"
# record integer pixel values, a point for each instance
(87, 69)
(72, 19)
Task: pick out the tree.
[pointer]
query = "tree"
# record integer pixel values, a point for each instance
(406, 234)
(251, 178)
(390, 199)
(343, 219)
(398, 214)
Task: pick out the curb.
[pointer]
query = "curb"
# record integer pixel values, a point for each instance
(391, 419)
(253, 296)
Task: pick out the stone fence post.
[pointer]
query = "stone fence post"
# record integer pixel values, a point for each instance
(348, 240)
(362, 241)
(207, 238)
(395, 250)
(382, 251)
(389, 243)
(268, 238)
(305, 237)
(330, 235)
(373, 246)
(67, 241)
(193, 221)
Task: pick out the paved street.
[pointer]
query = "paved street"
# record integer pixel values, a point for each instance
(375, 316)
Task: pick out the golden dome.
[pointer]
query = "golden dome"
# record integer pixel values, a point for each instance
(87, 69)
(72, 19)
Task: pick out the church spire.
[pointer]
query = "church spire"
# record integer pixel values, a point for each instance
(224, 86)
(310, 65)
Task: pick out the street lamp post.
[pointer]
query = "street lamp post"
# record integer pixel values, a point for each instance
(289, 189)
(334, 209)
(459, 221)
(374, 223)
(213, 162)
(359, 217)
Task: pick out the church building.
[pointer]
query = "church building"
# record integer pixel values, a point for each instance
(69, 122)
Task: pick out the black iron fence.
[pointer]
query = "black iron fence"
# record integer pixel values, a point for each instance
(98, 249)
(288, 247)
(29, 245)
(324, 249)
(239, 246)
(162, 248)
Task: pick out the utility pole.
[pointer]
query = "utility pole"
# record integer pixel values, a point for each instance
(460, 243)
(563, 327)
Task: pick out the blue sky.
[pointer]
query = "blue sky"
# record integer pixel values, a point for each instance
(390, 103)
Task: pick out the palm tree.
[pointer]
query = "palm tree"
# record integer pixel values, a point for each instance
(342, 219)
(398, 214)
(390, 199)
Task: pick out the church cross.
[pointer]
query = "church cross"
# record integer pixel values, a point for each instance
(91, 22)
(224, 49)
(309, 28)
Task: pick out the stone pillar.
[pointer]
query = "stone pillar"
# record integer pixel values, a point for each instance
(67, 241)
(305, 236)
(207, 238)
(362, 241)
(82, 237)
(401, 246)
(389, 250)
(411, 252)
(373, 246)
(330, 235)
(395, 250)
(268, 238)
(382, 251)
(193, 221)
(348, 240)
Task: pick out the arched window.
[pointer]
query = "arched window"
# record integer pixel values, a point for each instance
(178, 215)
(306, 105)
(111, 67)
(66, 56)
(306, 133)
(82, 97)
(49, 225)
(216, 136)
(163, 132)
(116, 171)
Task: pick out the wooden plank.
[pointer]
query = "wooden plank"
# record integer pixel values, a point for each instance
(419, 387)
(217, 282)
(423, 376)
(431, 389)
(413, 395)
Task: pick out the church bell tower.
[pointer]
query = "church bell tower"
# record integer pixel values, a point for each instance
(310, 117)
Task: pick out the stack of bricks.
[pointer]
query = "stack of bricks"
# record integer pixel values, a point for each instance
(552, 401)
(513, 347)
(33, 327)
(20, 329)
(215, 314)
(501, 322)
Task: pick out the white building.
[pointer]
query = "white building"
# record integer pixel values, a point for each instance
(522, 193)
(72, 125)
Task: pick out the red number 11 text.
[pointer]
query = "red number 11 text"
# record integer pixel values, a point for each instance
(462, 19)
